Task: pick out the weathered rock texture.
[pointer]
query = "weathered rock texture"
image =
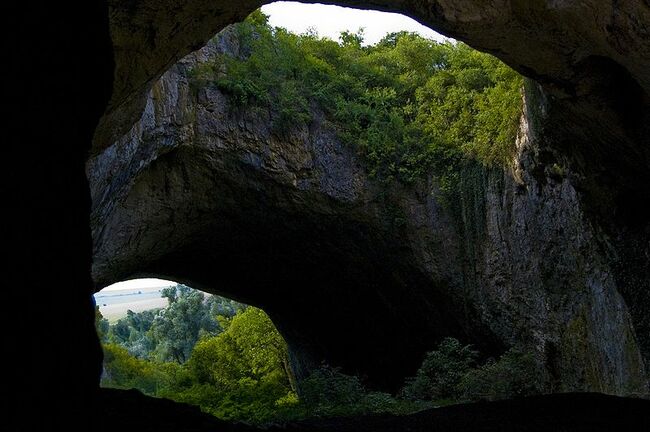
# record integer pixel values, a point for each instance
(370, 277)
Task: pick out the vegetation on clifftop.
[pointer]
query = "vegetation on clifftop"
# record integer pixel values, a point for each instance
(411, 106)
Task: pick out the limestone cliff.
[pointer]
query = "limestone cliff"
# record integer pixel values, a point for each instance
(369, 276)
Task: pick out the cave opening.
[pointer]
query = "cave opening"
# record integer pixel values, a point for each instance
(51, 240)
(294, 160)
(170, 341)
(306, 165)
(351, 184)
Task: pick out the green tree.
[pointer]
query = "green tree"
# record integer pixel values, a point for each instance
(151, 333)
(101, 325)
(250, 347)
(441, 372)
(411, 106)
(176, 329)
(514, 374)
(354, 40)
(132, 332)
(247, 362)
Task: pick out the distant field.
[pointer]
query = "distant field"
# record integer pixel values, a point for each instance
(114, 304)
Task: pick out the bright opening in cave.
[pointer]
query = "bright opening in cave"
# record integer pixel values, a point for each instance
(136, 295)
(330, 21)
(169, 340)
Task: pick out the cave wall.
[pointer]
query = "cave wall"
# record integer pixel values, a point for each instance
(545, 262)
(352, 272)
(56, 85)
(202, 195)
(591, 58)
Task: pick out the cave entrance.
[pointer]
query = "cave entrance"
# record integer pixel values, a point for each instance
(171, 341)
(324, 179)
(331, 21)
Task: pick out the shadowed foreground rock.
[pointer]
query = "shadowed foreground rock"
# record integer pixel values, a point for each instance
(121, 410)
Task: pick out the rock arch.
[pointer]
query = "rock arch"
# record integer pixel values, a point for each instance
(296, 225)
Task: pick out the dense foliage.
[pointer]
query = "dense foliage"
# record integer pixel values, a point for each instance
(451, 373)
(238, 367)
(328, 392)
(410, 105)
(169, 334)
(514, 374)
(242, 373)
(441, 372)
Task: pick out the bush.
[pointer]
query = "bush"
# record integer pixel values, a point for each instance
(515, 374)
(441, 372)
(122, 370)
(450, 375)
(327, 387)
(328, 392)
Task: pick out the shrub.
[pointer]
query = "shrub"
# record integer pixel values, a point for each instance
(327, 389)
(514, 374)
(328, 392)
(441, 372)
(122, 370)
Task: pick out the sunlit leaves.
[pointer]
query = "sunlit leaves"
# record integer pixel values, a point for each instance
(406, 104)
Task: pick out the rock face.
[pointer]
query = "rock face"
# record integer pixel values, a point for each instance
(368, 277)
